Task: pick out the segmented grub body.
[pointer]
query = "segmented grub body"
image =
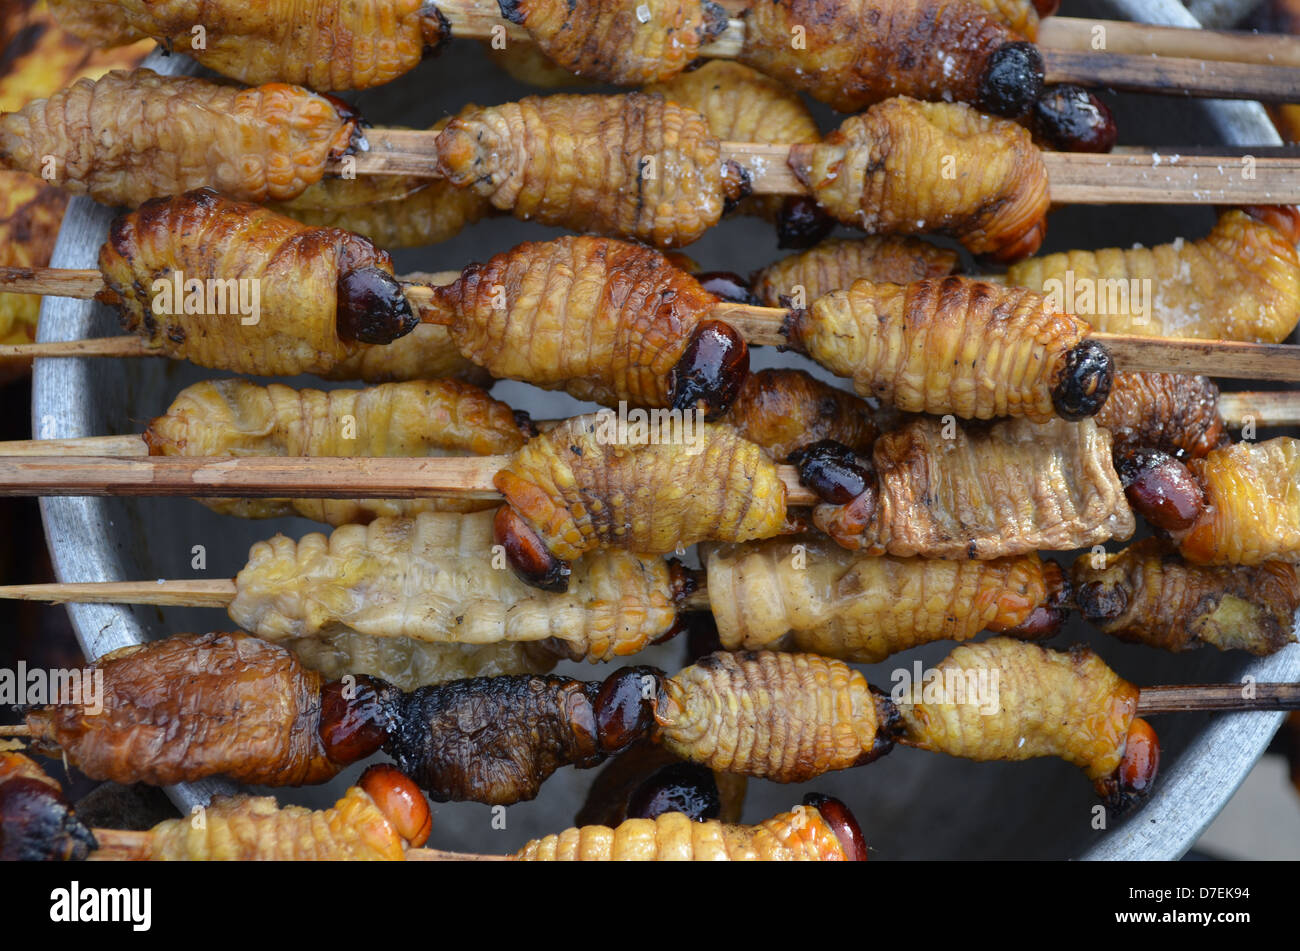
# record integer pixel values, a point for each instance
(494, 740)
(783, 410)
(907, 167)
(237, 249)
(192, 706)
(950, 345)
(1021, 701)
(432, 579)
(1171, 412)
(1149, 595)
(868, 50)
(1008, 489)
(1252, 505)
(634, 165)
(256, 828)
(784, 717)
(603, 320)
(131, 136)
(1239, 282)
(742, 105)
(838, 263)
(581, 488)
(799, 835)
(325, 44)
(613, 41)
(805, 593)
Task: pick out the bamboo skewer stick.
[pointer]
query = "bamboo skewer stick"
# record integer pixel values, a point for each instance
(194, 593)
(759, 325)
(1141, 177)
(1278, 408)
(1130, 56)
(466, 477)
(1073, 34)
(1218, 697)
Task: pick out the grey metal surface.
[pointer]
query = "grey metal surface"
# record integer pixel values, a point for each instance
(912, 804)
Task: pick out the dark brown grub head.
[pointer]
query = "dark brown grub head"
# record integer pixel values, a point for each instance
(625, 706)
(687, 788)
(529, 558)
(1069, 118)
(710, 372)
(372, 308)
(1084, 382)
(1012, 80)
(356, 715)
(1161, 489)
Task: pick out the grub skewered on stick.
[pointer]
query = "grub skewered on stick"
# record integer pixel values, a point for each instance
(384, 817)
(893, 340)
(894, 502)
(497, 739)
(856, 50)
(663, 177)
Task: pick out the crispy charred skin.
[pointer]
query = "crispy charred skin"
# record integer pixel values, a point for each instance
(430, 581)
(615, 42)
(784, 717)
(603, 320)
(838, 263)
(1043, 703)
(585, 162)
(742, 105)
(1069, 118)
(1148, 594)
(375, 820)
(494, 740)
(129, 137)
(884, 171)
(954, 345)
(869, 50)
(192, 706)
(237, 418)
(786, 410)
(1160, 489)
(1239, 282)
(1008, 489)
(36, 822)
(578, 489)
(1252, 505)
(806, 593)
(325, 44)
(1170, 412)
(805, 834)
(303, 278)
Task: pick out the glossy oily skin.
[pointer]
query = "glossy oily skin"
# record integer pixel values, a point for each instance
(534, 158)
(954, 345)
(292, 273)
(601, 319)
(118, 141)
